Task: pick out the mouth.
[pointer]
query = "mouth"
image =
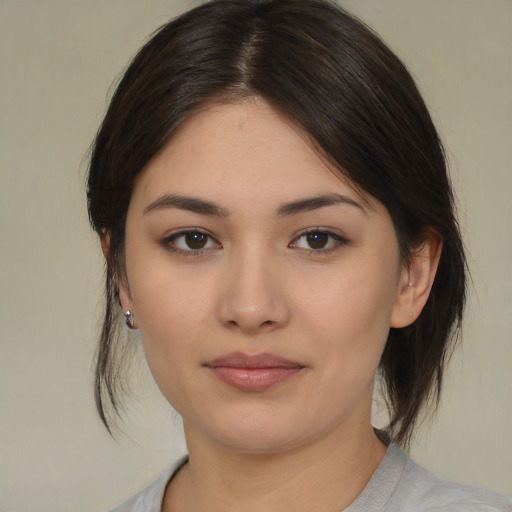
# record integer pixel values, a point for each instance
(248, 372)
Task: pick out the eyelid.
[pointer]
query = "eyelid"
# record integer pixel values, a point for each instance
(339, 240)
(336, 241)
(167, 242)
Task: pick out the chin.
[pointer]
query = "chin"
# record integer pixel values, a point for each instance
(274, 441)
(259, 443)
(253, 433)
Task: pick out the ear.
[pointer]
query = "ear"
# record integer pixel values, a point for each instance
(416, 280)
(125, 300)
(105, 244)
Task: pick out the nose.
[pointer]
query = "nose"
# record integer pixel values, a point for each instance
(252, 297)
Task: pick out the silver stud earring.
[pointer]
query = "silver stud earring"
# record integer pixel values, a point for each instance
(128, 318)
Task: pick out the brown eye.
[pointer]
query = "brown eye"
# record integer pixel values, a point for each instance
(196, 240)
(317, 240)
(191, 242)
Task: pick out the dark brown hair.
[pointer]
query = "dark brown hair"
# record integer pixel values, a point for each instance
(336, 80)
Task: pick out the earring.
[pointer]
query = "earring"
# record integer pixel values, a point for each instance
(128, 318)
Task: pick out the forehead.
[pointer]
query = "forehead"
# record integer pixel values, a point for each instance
(249, 149)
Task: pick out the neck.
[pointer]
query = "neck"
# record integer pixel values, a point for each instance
(325, 475)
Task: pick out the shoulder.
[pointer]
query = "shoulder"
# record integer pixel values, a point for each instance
(421, 490)
(150, 498)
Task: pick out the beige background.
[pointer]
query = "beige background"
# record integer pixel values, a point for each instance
(57, 61)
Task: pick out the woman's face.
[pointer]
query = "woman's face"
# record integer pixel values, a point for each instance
(263, 286)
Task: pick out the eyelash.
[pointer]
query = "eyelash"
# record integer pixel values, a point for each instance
(336, 241)
(169, 242)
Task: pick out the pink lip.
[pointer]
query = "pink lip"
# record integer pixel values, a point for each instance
(257, 372)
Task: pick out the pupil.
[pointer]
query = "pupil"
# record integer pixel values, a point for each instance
(195, 240)
(317, 240)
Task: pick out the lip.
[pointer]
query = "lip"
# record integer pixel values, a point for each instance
(253, 372)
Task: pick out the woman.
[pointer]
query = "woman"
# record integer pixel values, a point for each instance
(273, 205)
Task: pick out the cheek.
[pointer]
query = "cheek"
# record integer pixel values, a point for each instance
(351, 315)
(353, 300)
(170, 331)
(172, 314)
(166, 297)
(169, 320)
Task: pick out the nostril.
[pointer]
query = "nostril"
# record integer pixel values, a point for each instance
(242, 324)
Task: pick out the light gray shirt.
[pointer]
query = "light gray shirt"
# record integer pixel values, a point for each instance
(398, 485)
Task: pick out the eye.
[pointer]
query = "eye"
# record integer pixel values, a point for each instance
(317, 240)
(190, 241)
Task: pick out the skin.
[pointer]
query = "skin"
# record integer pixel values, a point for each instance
(255, 284)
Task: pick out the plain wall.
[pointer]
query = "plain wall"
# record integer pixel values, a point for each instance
(57, 61)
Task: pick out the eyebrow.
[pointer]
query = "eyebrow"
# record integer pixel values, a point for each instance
(191, 204)
(314, 203)
(204, 207)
